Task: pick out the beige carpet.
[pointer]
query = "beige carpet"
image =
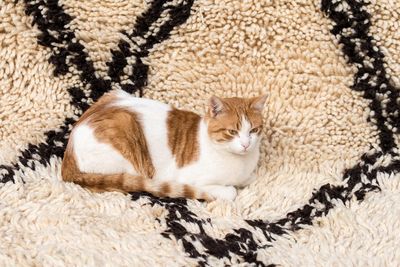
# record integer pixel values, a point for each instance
(328, 186)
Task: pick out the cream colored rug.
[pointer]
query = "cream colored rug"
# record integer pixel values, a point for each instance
(328, 191)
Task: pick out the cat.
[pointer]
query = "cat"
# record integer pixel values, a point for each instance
(129, 144)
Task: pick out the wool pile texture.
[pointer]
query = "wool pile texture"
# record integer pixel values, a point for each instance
(327, 191)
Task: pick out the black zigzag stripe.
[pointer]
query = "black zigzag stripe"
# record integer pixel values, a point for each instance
(374, 83)
(52, 21)
(50, 17)
(371, 78)
(178, 15)
(241, 241)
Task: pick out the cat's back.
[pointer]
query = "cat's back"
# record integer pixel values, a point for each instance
(151, 114)
(118, 110)
(143, 106)
(171, 134)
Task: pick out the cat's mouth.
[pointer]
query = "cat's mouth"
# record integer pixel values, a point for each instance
(242, 152)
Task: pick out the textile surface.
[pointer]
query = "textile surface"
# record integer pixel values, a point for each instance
(328, 185)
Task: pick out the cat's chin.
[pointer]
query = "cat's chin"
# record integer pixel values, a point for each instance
(241, 153)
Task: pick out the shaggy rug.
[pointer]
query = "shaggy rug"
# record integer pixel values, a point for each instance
(328, 186)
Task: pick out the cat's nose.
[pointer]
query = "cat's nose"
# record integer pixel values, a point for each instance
(245, 145)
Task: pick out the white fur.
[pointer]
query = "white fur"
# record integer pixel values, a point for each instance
(93, 156)
(218, 166)
(220, 191)
(244, 141)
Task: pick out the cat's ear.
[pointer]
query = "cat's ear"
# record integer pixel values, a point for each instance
(258, 102)
(216, 106)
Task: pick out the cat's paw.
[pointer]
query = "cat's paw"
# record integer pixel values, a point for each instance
(226, 192)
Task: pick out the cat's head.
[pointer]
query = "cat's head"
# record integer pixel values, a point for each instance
(235, 124)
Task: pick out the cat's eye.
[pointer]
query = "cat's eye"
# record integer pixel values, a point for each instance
(255, 130)
(232, 132)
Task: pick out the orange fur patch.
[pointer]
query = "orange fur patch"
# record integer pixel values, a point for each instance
(188, 191)
(183, 127)
(121, 129)
(165, 188)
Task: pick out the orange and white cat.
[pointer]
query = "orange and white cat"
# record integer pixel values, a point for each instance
(127, 144)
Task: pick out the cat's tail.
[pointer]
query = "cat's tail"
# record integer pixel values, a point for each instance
(136, 183)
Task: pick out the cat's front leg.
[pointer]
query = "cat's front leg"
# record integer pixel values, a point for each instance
(221, 191)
